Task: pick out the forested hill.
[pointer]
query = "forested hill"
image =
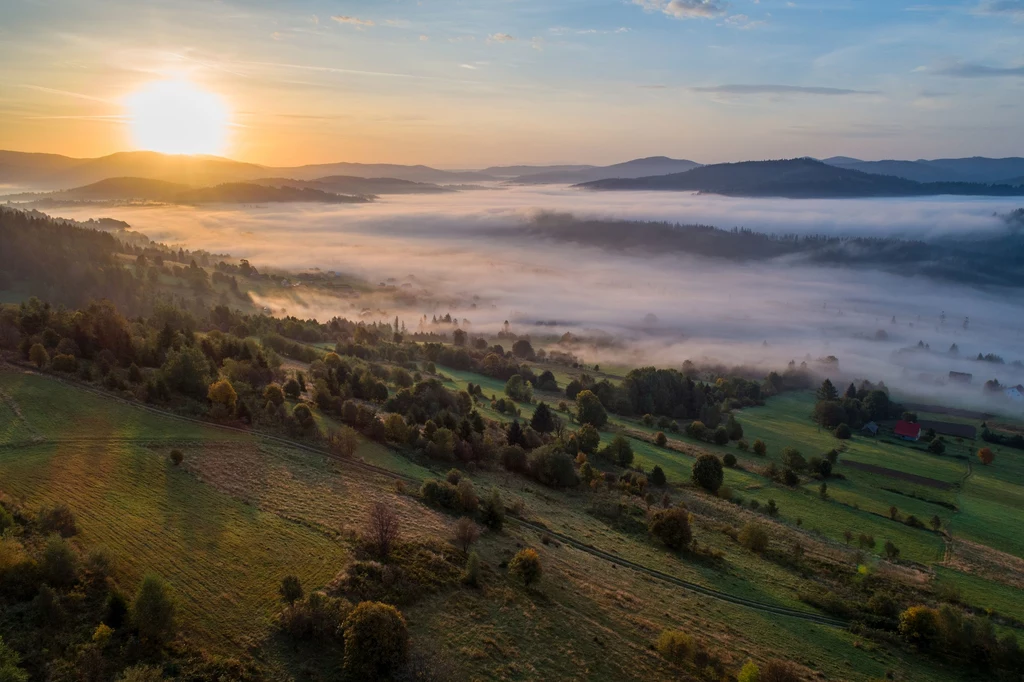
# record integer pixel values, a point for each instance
(995, 260)
(148, 190)
(796, 179)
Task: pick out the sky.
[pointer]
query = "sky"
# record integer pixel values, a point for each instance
(471, 83)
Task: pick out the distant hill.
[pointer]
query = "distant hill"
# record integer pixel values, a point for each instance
(796, 178)
(637, 168)
(976, 169)
(145, 189)
(52, 171)
(348, 184)
(515, 171)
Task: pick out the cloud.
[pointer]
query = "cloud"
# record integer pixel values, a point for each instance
(967, 70)
(1009, 8)
(424, 38)
(742, 21)
(685, 9)
(769, 89)
(500, 38)
(355, 21)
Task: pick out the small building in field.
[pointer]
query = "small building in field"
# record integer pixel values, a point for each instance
(961, 377)
(907, 430)
(1015, 393)
(871, 428)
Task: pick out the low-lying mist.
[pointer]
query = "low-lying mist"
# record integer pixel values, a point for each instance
(470, 254)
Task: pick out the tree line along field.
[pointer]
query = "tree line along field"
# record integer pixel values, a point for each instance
(238, 513)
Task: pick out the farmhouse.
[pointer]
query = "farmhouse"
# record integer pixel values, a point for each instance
(907, 430)
(1015, 393)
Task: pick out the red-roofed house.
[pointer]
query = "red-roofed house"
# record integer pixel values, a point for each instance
(907, 430)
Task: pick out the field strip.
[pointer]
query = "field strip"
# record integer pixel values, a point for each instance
(16, 409)
(899, 475)
(581, 546)
(109, 439)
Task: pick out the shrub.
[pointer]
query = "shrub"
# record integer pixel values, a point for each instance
(790, 478)
(919, 625)
(552, 467)
(471, 576)
(675, 646)
(760, 448)
(222, 393)
(153, 610)
(58, 519)
(707, 472)
(792, 458)
(696, 430)
(729, 460)
(60, 562)
(618, 451)
(141, 673)
(658, 476)
(64, 363)
(177, 457)
(721, 436)
(777, 670)
(273, 393)
(290, 589)
(468, 499)
(317, 617)
(513, 458)
(465, 533)
(842, 432)
(743, 446)
(383, 529)
(672, 527)
(749, 673)
(492, 511)
(38, 355)
(733, 428)
(292, 389)
(754, 537)
(891, 550)
(115, 611)
(937, 447)
(660, 439)
(588, 438)
(525, 566)
(376, 641)
(986, 456)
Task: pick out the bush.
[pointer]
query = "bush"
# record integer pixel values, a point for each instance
(589, 410)
(919, 625)
(675, 646)
(760, 448)
(842, 432)
(525, 566)
(64, 363)
(492, 511)
(792, 458)
(273, 393)
(153, 610)
(749, 673)
(222, 393)
(672, 527)
(513, 458)
(177, 457)
(721, 436)
(465, 533)
(552, 467)
(618, 451)
(660, 439)
(141, 673)
(729, 460)
(588, 438)
(696, 430)
(471, 576)
(376, 641)
(777, 670)
(937, 447)
(707, 472)
(60, 562)
(318, 617)
(658, 476)
(58, 519)
(38, 356)
(290, 589)
(743, 446)
(754, 537)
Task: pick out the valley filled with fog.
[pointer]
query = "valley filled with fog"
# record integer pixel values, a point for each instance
(472, 254)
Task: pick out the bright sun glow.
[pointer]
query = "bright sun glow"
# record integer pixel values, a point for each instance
(176, 117)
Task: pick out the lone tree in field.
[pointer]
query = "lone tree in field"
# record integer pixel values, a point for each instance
(589, 410)
(290, 590)
(936, 523)
(658, 476)
(176, 457)
(760, 448)
(672, 527)
(153, 610)
(986, 456)
(38, 355)
(525, 565)
(376, 641)
(707, 472)
(465, 533)
(660, 439)
(828, 391)
(382, 529)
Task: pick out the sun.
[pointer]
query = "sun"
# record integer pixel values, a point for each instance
(177, 117)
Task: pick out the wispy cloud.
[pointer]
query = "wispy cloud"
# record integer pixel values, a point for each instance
(772, 89)
(354, 21)
(685, 9)
(967, 70)
(1008, 8)
(500, 38)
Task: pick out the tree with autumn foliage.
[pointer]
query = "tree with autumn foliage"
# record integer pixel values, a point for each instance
(986, 456)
